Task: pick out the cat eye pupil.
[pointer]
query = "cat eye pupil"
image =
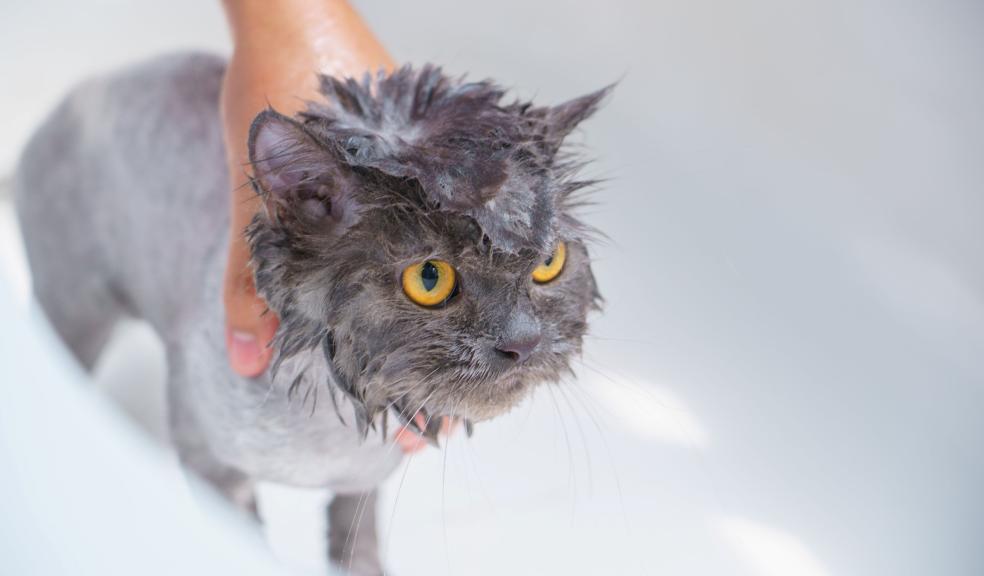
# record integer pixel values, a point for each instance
(429, 275)
(430, 283)
(551, 267)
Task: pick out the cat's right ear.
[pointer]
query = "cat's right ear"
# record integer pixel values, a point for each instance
(296, 175)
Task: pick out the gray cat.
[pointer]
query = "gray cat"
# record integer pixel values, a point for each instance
(418, 243)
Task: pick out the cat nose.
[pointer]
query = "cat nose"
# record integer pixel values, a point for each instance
(519, 349)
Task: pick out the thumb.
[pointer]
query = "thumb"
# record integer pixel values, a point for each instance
(250, 326)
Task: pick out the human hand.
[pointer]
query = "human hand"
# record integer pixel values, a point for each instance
(276, 55)
(274, 63)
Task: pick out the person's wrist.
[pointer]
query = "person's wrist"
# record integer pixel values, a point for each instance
(274, 25)
(311, 36)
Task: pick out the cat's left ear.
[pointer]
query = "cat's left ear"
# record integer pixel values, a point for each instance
(297, 176)
(560, 121)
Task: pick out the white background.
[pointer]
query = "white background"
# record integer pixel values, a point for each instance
(789, 373)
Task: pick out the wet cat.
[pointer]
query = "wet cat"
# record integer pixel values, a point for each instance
(418, 242)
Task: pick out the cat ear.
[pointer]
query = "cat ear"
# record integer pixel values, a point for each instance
(559, 121)
(296, 175)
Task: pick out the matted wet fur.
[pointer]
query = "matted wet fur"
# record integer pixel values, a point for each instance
(398, 169)
(123, 200)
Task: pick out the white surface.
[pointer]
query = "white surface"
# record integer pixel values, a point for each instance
(84, 492)
(789, 375)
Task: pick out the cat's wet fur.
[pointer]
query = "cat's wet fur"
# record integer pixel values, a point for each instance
(402, 168)
(123, 200)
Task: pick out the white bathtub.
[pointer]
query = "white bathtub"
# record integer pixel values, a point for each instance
(789, 374)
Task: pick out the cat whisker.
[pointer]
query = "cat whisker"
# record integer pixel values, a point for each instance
(635, 387)
(612, 339)
(360, 510)
(396, 503)
(363, 501)
(357, 522)
(444, 478)
(611, 460)
(584, 440)
(571, 474)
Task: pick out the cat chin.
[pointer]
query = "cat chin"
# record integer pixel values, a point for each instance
(508, 395)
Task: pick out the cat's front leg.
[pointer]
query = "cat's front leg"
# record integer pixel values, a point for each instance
(353, 543)
(192, 447)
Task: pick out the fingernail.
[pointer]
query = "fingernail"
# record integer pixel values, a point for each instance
(245, 353)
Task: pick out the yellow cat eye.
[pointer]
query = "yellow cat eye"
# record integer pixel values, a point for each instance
(551, 267)
(429, 283)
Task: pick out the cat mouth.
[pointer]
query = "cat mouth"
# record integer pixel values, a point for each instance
(425, 420)
(426, 425)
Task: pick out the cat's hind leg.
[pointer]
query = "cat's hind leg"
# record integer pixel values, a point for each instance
(69, 268)
(83, 316)
(76, 297)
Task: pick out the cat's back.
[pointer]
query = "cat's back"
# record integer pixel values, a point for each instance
(126, 182)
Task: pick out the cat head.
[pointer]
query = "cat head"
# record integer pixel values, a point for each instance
(421, 234)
